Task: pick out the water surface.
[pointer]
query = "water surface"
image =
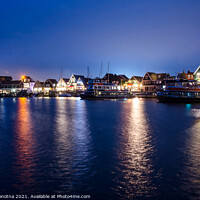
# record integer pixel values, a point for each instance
(110, 149)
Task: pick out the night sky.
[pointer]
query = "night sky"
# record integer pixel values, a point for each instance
(39, 37)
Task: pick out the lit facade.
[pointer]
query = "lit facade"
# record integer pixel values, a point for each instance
(77, 83)
(28, 83)
(153, 82)
(62, 85)
(197, 74)
(49, 85)
(133, 84)
(10, 87)
(38, 87)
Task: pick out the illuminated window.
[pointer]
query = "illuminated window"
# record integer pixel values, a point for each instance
(198, 75)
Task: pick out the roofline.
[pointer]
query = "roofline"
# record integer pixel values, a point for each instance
(196, 70)
(133, 77)
(51, 81)
(148, 75)
(63, 78)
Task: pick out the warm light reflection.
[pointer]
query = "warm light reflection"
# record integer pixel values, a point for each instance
(135, 151)
(81, 132)
(24, 146)
(82, 143)
(64, 140)
(81, 125)
(72, 134)
(136, 100)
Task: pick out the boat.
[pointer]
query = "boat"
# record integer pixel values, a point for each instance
(102, 89)
(180, 91)
(64, 95)
(146, 95)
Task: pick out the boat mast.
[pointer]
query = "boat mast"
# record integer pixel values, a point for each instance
(100, 74)
(60, 76)
(88, 72)
(108, 71)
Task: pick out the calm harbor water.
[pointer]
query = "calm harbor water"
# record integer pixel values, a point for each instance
(110, 149)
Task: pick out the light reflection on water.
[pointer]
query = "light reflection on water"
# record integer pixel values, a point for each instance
(135, 152)
(63, 139)
(72, 142)
(131, 149)
(24, 147)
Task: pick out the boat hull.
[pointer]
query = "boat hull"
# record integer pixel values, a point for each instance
(178, 100)
(99, 97)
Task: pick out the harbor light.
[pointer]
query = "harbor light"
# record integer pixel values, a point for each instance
(136, 85)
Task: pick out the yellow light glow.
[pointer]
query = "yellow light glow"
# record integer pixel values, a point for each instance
(23, 77)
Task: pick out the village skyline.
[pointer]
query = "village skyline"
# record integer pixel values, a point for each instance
(76, 84)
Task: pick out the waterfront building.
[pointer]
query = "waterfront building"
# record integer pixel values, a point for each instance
(87, 80)
(190, 75)
(116, 79)
(11, 88)
(50, 85)
(185, 76)
(197, 74)
(28, 83)
(77, 83)
(153, 82)
(5, 78)
(133, 84)
(38, 87)
(123, 78)
(63, 84)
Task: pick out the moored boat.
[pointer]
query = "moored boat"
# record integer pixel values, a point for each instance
(183, 91)
(101, 89)
(64, 95)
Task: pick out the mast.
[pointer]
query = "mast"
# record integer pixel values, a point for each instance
(60, 76)
(100, 73)
(88, 72)
(108, 71)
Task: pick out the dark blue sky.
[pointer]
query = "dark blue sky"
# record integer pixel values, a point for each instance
(38, 37)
